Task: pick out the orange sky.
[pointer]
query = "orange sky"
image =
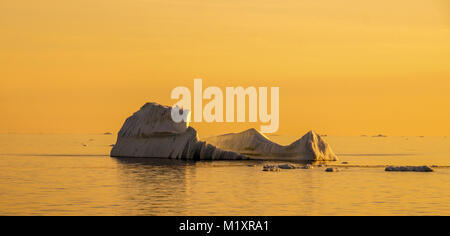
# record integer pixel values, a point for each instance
(344, 67)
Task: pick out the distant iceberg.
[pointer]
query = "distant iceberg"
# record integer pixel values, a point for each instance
(151, 133)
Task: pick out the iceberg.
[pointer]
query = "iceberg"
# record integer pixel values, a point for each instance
(311, 147)
(151, 133)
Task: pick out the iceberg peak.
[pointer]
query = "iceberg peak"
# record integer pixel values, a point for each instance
(311, 147)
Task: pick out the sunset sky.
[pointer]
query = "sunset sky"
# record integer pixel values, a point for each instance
(344, 67)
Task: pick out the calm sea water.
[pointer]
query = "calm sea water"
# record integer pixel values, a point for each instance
(73, 175)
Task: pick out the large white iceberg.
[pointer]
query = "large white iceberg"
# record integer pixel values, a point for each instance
(151, 133)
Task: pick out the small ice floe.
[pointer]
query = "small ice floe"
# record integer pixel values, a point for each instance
(287, 166)
(307, 167)
(409, 168)
(332, 170)
(270, 168)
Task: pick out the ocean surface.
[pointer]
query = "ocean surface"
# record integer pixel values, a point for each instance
(74, 175)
